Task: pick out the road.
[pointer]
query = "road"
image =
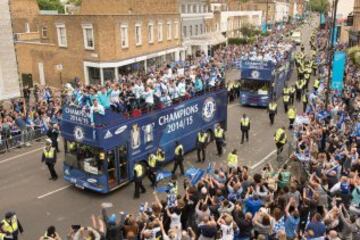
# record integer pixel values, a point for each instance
(39, 203)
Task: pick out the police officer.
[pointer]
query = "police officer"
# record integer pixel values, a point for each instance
(232, 159)
(305, 101)
(280, 139)
(179, 158)
(292, 91)
(316, 84)
(53, 134)
(219, 139)
(291, 115)
(49, 157)
(245, 127)
(151, 173)
(138, 176)
(272, 110)
(201, 141)
(11, 226)
(286, 100)
(160, 157)
(298, 87)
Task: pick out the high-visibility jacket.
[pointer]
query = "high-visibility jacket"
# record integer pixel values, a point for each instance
(291, 113)
(2, 236)
(202, 137)
(245, 122)
(286, 98)
(280, 136)
(232, 160)
(179, 150)
(49, 154)
(10, 227)
(152, 160)
(316, 83)
(219, 132)
(286, 91)
(303, 83)
(292, 90)
(298, 85)
(160, 156)
(304, 98)
(307, 76)
(138, 168)
(272, 107)
(71, 146)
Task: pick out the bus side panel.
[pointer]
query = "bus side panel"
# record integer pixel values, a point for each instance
(179, 123)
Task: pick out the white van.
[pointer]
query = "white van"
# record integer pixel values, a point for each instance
(296, 37)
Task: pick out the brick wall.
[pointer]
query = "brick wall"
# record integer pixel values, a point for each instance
(24, 11)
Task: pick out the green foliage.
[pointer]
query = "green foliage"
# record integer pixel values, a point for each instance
(51, 5)
(249, 31)
(321, 6)
(354, 55)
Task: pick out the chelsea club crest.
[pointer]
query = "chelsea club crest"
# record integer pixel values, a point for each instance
(79, 133)
(209, 109)
(255, 74)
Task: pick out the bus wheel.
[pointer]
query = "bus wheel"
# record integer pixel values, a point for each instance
(210, 136)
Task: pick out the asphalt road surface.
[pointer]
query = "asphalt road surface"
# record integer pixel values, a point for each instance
(39, 203)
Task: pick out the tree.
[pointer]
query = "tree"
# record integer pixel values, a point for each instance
(321, 6)
(51, 5)
(354, 55)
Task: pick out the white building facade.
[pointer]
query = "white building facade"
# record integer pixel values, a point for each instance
(282, 11)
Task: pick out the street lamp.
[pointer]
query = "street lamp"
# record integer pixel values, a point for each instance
(331, 50)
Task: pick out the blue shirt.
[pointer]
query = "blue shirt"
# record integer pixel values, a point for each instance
(318, 228)
(291, 225)
(253, 205)
(104, 99)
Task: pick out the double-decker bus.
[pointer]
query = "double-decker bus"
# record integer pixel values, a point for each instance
(101, 156)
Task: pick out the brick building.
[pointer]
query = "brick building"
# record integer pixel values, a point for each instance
(354, 34)
(106, 38)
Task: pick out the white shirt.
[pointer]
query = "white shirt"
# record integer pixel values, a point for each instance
(227, 231)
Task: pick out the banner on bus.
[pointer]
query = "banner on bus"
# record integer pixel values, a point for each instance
(338, 70)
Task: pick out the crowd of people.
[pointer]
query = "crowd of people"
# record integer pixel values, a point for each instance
(321, 201)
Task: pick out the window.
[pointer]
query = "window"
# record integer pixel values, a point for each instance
(88, 36)
(201, 29)
(196, 30)
(176, 29)
(190, 31)
(138, 34)
(169, 31)
(160, 32)
(61, 34)
(44, 32)
(151, 33)
(189, 8)
(27, 27)
(183, 8)
(124, 36)
(184, 31)
(194, 8)
(205, 9)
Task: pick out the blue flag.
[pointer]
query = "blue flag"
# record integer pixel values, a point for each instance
(162, 174)
(163, 189)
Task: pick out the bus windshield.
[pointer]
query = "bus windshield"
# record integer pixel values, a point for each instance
(84, 157)
(255, 86)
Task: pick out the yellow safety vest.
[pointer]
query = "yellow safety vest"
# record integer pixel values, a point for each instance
(286, 98)
(160, 156)
(316, 83)
(303, 83)
(298, 85)
(278, 135)
(71, 146)
(49, 154)
(307, 76)
(272, 106)
(286, 91)
(138, 170)
(152, 160)
(219, 132)
(2, 236)
(304, 98)
(10, 227)
(178, 148)
(245, 122)
(232, 160)
(291, 113)
(202, 137)
(292, 90)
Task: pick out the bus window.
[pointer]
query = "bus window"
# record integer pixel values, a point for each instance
(148, 133)
(83, 157)
(111, 168)
(123, 171)
(258, 87)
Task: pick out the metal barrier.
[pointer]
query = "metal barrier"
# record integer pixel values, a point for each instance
(19, 138)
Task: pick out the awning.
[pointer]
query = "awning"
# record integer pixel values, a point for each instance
(206, 39)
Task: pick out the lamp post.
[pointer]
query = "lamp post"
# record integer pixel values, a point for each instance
(331, 51)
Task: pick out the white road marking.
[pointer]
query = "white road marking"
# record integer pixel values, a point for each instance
(263, 160)
(55, 191)
(20, 155)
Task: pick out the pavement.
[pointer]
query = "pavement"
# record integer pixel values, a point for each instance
(40, 203)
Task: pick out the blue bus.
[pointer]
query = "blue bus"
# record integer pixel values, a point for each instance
(262, 81)
(101, 156)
